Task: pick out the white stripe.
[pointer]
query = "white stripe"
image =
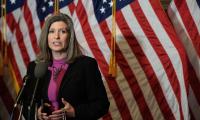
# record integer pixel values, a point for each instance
(194, 11)
(135, 65)
(4, 115)
(185, 38)
(96, 30)
(170, 49)
(17, 55)
(26, 38)
(194, 105)
(80, 36)
(114, 112)
(155, 63)
(66, 11)
(128, 95)
(36, 23)
(17, 14)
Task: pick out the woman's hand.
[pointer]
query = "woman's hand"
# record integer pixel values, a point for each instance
(41, 115)
(67, 111)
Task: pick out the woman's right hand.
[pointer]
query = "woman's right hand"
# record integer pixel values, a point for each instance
(41, 115)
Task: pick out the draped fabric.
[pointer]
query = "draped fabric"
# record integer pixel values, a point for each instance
(185, 16)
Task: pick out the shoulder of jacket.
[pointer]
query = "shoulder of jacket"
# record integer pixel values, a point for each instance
(85, 58)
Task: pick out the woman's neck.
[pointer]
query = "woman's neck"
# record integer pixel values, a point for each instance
(59, 56)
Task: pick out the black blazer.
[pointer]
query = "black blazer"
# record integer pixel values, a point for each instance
(82, 87)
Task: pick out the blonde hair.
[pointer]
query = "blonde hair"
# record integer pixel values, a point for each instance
(73, 49)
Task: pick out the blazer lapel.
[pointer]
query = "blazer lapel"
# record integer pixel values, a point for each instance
(66, 79)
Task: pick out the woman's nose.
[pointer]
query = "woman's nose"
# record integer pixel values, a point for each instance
(57, 34)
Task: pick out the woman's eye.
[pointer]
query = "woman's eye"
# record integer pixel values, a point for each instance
(51, 31)
(63, 31)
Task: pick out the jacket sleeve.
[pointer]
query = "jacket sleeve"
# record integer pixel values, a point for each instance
(98, 103)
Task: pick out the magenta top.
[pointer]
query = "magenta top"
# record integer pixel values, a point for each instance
(57, 69)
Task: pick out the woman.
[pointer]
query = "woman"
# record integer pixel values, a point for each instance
(72, 86)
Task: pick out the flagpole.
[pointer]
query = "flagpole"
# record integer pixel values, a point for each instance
(3, 50)
(4, 47)
(112, 66)
(56, 7)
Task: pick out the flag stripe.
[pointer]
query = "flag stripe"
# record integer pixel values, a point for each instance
(19, 38)
(185, 15)
(138, 89)
(138, 51)
(129, 76)
(164, 38)
(114, 88)
(17, 57)
(191, 28)
(181, 31)
(180, 56)
(194, 105)
(31, 28)
(194, 83)
(194, 12)
(31, 4)
(153, 58)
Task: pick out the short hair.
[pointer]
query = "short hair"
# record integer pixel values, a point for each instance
(73, 49)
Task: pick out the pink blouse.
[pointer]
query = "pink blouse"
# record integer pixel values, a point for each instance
(57, 69)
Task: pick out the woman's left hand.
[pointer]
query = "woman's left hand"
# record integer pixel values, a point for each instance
(67, 111)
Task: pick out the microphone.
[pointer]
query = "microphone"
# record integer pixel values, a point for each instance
(21, 92)
(40, 69)
(39, 72)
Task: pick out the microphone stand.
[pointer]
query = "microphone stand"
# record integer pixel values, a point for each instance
(19, 98)
(33, 98)
(20, 113)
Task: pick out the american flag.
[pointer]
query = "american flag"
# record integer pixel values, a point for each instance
(185, 15)
(152, 69)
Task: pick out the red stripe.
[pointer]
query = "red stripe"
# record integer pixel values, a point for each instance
(71, 7)
(107, 117)
(153, 80)
(179, 47)
(19, 38)
(175, 40)
(143, 62)
(113, 86)
(189, 23)
(14, 65)
(31, 29)
(130, 77)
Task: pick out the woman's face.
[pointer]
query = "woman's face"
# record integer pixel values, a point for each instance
(57, 36)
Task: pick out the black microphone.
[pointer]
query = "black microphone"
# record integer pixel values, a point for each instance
(21, 92)
(39, 72)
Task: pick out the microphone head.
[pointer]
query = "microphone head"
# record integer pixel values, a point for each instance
(40, 69)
